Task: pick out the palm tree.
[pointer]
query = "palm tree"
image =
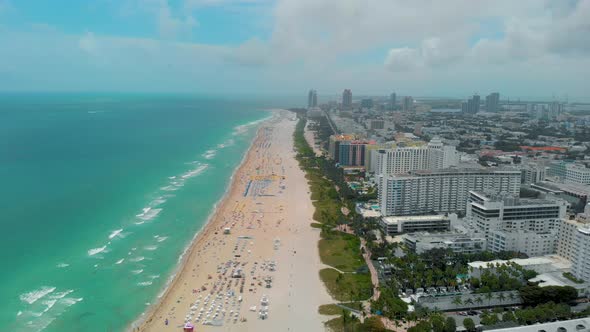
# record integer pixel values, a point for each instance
(511, 296)
(469, 301)
(457, 301)
(479, 300)
(489, 296)
(501, 297)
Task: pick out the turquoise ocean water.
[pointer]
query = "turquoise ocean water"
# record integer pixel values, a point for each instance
(101, 194)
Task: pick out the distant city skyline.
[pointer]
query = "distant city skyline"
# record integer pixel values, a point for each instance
(454, 48)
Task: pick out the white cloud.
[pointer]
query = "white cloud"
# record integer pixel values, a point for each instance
(420, 46)
(170, 23)
(170, 26)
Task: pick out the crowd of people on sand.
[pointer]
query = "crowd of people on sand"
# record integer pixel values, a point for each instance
(242, 276)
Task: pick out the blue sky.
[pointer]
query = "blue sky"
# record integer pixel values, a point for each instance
(421, 47)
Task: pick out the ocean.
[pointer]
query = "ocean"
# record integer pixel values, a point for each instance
(101, 194)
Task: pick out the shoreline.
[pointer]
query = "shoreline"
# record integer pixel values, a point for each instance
(139, 323)
(242, 269)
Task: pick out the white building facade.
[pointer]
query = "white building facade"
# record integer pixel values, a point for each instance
(440, 191)
(530, 243)
(581, 255)
(510, 223)
(400, 160)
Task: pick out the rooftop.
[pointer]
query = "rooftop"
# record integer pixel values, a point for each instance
(397, 219)
(511, 200)
(457, 171)
(578, 325)
(437, 237)
(557, 261)
(578, 189)
(556, 279)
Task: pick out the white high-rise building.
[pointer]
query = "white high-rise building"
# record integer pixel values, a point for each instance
(568, 232)
(566, 238)
(532, 173)
(443, 190)
(581, 254)
(492, 211)
(530, 243)
(577, 174)
(399, 160)
(510, 223)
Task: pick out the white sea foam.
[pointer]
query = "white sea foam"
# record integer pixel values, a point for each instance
(241, 129)
(144, 283)
(115, 233)
(49, 304)
(149, 214)
(194, 172)
(95, 251)
(137, 259)
(160, 238)
(137, 271)
(154, 276)
(43, 313)
(72, 301)
(169, 188)
(120, 261)
(209, 154)
(150, 248)
(172, 177)
(158, 201)
(32, 296)
(227, 143)
(62, 265)
(61, 295)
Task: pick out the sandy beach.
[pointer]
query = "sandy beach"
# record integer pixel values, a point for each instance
(263, 275)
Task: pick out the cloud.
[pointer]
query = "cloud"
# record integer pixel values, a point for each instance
(554, 31)
(170, 26)
(253, 52)
(422, 46)
(170, 22)
(404, 58)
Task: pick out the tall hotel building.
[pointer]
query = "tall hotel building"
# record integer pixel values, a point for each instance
(398, 160)
(442, 190)
(509, 223)
(581, 254)
(348, 150)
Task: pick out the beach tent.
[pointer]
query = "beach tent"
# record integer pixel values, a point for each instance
(188, 327)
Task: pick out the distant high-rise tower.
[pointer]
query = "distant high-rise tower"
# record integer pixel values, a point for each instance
(472, 105)
(475, 105)
(392, 100)
(464, 107)
(408, 103)
(493, 102)
(312, 99)
(347, 99)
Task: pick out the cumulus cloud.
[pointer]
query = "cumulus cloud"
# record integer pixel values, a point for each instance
(554, 30)
(369, 45)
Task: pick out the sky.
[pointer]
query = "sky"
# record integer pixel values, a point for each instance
(524, 48)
